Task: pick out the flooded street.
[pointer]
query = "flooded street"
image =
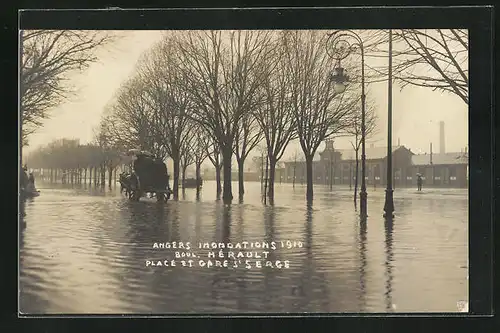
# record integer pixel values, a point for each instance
(84, 251)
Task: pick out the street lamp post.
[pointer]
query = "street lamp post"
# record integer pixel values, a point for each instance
(389, 192)
(338, 47)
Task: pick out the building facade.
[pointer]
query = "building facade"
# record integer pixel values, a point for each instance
(338, 167)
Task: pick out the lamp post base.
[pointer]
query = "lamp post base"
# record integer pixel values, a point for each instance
(389, 203)
(363, 206)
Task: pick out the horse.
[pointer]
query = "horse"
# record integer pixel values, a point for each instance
(126, 184)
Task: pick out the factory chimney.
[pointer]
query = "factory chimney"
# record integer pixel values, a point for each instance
(441, 138)
(431, 154)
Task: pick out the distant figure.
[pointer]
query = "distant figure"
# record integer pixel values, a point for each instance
(31, 179)
(24, 177)
(419, 182)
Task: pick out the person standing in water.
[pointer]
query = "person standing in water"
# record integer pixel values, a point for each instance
(24, 177)
(419, 182)
(31, 181)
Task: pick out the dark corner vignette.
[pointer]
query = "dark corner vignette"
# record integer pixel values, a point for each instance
(152, 212)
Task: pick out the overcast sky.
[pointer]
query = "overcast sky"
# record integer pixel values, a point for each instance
(416, 111)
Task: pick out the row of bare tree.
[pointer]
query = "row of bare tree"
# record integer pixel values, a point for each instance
(71, 160)
(218, 94)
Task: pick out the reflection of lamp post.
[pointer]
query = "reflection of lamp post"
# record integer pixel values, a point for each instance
(340, 50)
(388, 263)
(389, 192)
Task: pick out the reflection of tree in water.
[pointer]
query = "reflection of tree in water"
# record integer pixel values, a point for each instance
(30, 299)
(269, 273)
(143, 288)
(389, 227)
(304, 289)
(312, 290)
(224, 279)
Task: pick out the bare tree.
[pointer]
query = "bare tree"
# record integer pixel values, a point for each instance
(431, 58)
(48, 59)
(187, 156)
(248, 136)
(200, 154)
(275, 115)
(295, 157)
(319, 112)
(131, 118)
(220, 67)
(170, 102)
(354, 131)
(110, 155)
(215, 157)
(446, 52)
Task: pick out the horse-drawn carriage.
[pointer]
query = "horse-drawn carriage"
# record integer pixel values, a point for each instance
(148, 178)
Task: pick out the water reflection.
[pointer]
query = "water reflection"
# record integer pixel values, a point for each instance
(389, 224)
(96, 245)
(363, 227)
(303, 289)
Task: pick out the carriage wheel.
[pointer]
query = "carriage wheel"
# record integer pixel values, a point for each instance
(135, 195)
(161, 197)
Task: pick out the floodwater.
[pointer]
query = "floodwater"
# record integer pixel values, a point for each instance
(84, 251)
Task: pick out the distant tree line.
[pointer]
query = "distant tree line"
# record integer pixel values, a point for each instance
(68, 161)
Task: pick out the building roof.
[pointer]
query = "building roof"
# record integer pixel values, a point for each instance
(439, 159)
(372, 153)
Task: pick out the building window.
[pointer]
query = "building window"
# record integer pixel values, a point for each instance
(453, 172)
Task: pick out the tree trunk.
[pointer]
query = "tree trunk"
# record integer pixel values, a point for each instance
(350, 175)
(227, 192)
(110, 175)
(218, 170)
(262, 173)
(241, 185)
(309, 177)
(272, 174)
(176, 177)
(103, 175)
(266, 178)
(198, 177)
(356, 180)
(294, 167)
(184, 168)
